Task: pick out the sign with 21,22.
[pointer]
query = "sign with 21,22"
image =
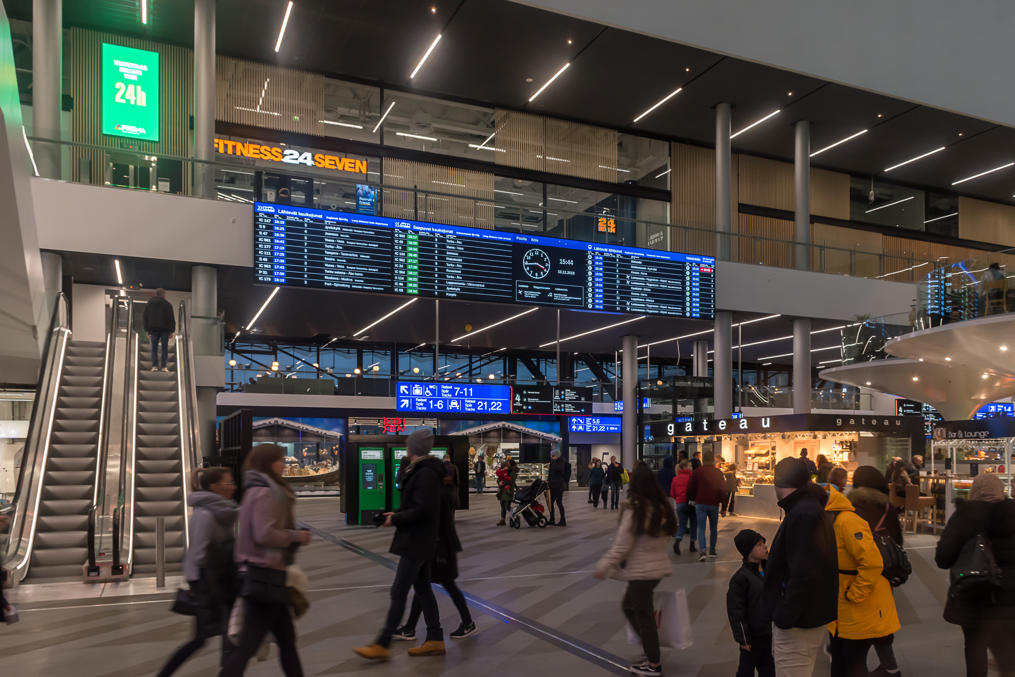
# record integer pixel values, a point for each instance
(439, 397)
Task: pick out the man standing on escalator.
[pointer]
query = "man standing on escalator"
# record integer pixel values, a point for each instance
(159, 323)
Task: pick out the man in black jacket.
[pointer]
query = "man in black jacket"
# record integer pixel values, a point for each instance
(159, 323)
(558, 477)
(801, 580)
(415, 542)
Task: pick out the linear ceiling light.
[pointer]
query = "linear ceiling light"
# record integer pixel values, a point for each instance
(989, 171)
(119, 274)
(560, 199)
(813, 350)
(839, 142)
(144, 12)
(938, 218)
(425, 56)
(754, 124)
(480, 146)
(593, 331)
(378, 321)
(417, 136)
(890, 204)
(615, 169)
(549, 82)
(659, 176)
(659, 103)
(257, 110)
(285, 22)
(495, 324)
(507, 192)
(709, 331)
(340, 124)
(918, 157)
(250, 325)
(381, 121)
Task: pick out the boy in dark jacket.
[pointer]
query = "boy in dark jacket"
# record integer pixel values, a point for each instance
(751, 625)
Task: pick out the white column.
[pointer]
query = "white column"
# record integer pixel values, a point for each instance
(629, 433)
(204, 97)
(207, 341)
(722, 365)
(801, 366)
(47, 74)
(723, 162)
(802, 189)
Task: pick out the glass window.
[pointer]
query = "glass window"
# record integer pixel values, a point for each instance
(645, 161)
(942, 214)
(437, 126)
(885, 204)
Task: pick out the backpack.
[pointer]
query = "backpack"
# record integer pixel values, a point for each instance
(897, 567)
(975, 572)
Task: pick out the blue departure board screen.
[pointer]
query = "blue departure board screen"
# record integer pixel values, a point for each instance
(315, 248)
(454, 399)
(594, 424)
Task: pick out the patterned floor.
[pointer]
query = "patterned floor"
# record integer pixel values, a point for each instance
(539, 610)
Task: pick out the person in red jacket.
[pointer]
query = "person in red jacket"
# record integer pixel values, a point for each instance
(685, 510)
(707, 489)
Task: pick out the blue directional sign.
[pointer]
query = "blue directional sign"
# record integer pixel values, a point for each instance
(454, 399)
(646, 402)
(594, 424)
(995, 409)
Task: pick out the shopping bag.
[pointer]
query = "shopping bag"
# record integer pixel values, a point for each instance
(673, 621)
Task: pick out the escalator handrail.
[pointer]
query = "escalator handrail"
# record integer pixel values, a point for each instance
(127, 445)
(188, 402)
(128, 522)
(43, 406)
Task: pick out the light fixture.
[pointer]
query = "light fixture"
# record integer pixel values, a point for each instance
(948, 359)
(754, 124)
(257, 110)
(415, 370)
(916, 378)
(357, 371)
(495, 324)
(659, 381)
(549, 82)
(507, 192)
(381, 121)
(918, 157)
(119, 274)
(285, 22)
(813, 350)
(868, 383)
(709, 331)
(426, 55)
(375, 368)
(232, 363)
(274, 367)
(560, 199)
(989, 171)
(839, 142)
(417, 136)
(144, 12)
(659, 103)
(348, 375)
(315, 365)
(789, 93)
(480, 146)
(938, 218)
(659, 176)
(614, 169)
(379, 320)
(890, 204)
(491, 377)
(433, 9)
(985, 375)
(340, 124)
(250, 325)
(593, 331)
(1002, 348)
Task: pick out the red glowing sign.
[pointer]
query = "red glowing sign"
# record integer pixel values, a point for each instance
(394, 425)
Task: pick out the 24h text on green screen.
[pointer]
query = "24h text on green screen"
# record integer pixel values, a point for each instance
(130, 92)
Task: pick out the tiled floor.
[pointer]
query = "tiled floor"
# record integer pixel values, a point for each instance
(539, 610)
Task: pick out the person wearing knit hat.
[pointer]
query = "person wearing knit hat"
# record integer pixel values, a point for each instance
(801, 579)
(987, 623)
(749, 620)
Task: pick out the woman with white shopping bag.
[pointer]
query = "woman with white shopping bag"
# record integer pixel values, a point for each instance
(638, 556)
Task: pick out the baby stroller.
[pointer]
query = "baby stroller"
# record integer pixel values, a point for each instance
(527, 506)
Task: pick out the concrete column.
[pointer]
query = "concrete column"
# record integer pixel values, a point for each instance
(207, 341)
(723, 163)
(204, 97)
(47, 73)
(801, 366)
(629, 369)
(699, 360)
(52, 277)
(802, 189)
(722, 365)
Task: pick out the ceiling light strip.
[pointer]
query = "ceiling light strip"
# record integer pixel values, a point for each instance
(593, 331)
(250, 325)
(480, 146)
(417, 136)
(119, 274)
(340, 124)
(285, 22)
(709, 331)
(659, 176)
(918, 157)
(989, 171)
(383, 117)
(814, 350)
(661, 102)
(495, 324)
(550, 81)
(755, 124)
(839, 142)
(938, 218)
(890, 204)
(425, 56)
(144, 12)
(378, 321)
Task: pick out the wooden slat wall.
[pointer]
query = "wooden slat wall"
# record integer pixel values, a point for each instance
(775, 250)
(766, 183)
(830, 194)
(521, 137)
(693, 187)
(296, 96)
(591, 151)
(986, 221)
(474, 209)
(175, 97)
(845, 251)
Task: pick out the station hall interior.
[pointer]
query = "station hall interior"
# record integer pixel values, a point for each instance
(539, 229)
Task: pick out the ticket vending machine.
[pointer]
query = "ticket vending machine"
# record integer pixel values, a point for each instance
(372, 491)
(398, 457)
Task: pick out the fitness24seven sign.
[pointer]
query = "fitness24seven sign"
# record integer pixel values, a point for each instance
(130, 92)
(289, 156)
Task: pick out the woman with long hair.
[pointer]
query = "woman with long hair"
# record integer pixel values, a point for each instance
(638, 556)
(266, 544)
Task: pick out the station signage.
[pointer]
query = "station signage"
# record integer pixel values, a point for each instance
(550, 400)
(594, 424)
(890, 425)
(618, 406)
(995, 409)
(996, 427)
(290, 156)
(453, 399)
(130, 92)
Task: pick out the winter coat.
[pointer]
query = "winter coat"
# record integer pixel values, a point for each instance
(212, 536)
(596, 477)
(267, 535)
(801, 579)
(732, 483)
(678, 487)
(557, 475)
(158, 316)
(997, 522)
(444, 566)
(635, 558)
(707, 486)
(666, 474)
(613, 473)
(416, 522)
(506, 485)
(872, 505)
(866, 603)
(451, 485)
(744, 605)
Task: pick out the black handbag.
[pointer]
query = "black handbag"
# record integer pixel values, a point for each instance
(975, 573)
(186, 602)
(264, 585)
(897, 567)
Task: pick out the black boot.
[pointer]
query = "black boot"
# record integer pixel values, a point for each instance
(692, 548)
(676, 547)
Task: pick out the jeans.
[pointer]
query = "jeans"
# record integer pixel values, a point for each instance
(614, 495)
(687, 514)
(557, 500)
(993, 635)
(414, 574)
(480, 483)
(795, 650)
(759, 659)
(849, 656)
(595, 490)
(158, 337)
(637, 607)
(454, 592)
(711, 513)
(258, 619)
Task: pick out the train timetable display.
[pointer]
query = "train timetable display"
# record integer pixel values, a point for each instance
(303, 247)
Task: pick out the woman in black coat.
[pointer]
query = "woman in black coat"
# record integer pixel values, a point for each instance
(987, 622)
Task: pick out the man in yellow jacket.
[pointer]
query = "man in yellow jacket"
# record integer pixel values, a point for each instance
(866, 603)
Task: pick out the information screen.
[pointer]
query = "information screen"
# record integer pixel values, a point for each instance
(303, 247)
(494, 399)
(536, 399)
(594, 424)
(130, 92)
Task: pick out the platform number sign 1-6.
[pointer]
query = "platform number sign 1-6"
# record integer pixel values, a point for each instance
(130, 92)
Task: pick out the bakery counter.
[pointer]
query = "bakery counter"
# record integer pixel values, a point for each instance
(761, 502)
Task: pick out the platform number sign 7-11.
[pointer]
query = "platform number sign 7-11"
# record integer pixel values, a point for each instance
(130, 92)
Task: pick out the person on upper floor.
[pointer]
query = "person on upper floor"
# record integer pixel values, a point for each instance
(687, 522)
(811, 467)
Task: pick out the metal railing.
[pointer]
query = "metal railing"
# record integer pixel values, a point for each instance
(128, 437)
(190, 439)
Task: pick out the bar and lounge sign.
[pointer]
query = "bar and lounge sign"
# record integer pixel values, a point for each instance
(892, 425)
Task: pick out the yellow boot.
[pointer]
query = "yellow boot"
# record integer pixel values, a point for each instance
(373, 652)
(428, 648)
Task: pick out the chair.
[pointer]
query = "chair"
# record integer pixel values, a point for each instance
(898, 502)
(993, 295)
(916, 504)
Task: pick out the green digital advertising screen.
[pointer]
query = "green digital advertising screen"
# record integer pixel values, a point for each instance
(130, 92)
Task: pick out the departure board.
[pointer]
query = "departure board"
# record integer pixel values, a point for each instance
(315, 248)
